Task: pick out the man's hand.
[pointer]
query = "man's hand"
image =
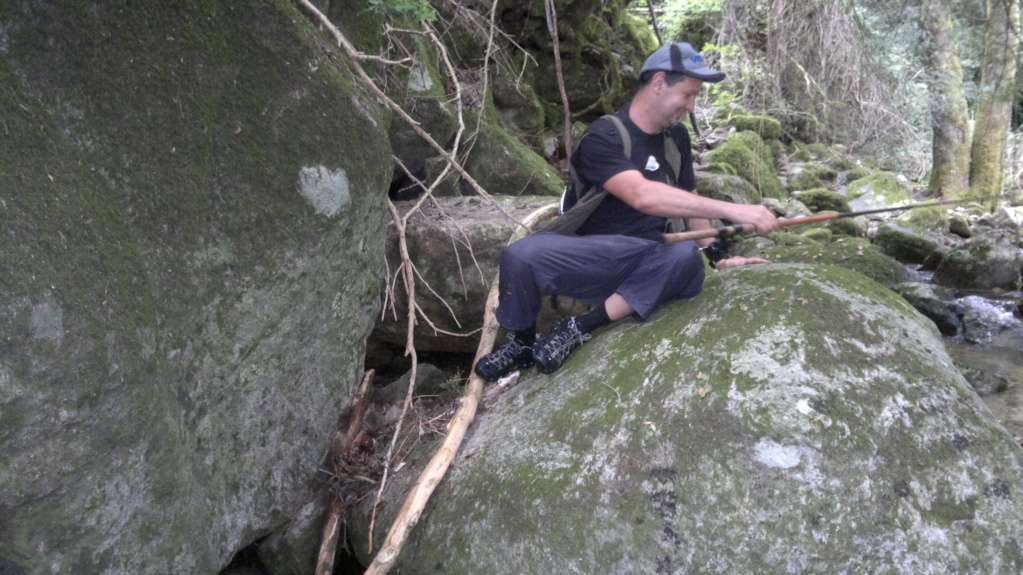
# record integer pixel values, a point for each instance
(737, 261)
(757, 215)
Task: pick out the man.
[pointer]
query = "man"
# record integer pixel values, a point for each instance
(618, 261)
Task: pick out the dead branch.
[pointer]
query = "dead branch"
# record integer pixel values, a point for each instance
(410, 350)
(343, 447)
(552, 27)
(435, 470)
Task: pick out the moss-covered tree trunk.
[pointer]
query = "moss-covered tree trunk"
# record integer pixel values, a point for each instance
(994, 104)
(950, 151)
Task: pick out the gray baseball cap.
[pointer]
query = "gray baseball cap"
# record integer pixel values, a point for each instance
(681, 57)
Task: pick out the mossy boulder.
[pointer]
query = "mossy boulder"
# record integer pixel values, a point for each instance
(602, 48)
(823, 200)
(851, 175)
(904, 244)
(790, 418)
(790, 208)
(725, 187)
(752, 160)
(810, 176)
(498, 161)
(856, 254)
(881, 190)
(855, 227)
(193, 200)
(503, 166)
(960, 225)
(720, 168)
(982, 262)
(819, 235)
(927, 219)
(764, 126)
(422, 90)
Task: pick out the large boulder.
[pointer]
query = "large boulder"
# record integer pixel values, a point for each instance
(789, 419)
(987, 261)
(192, 202)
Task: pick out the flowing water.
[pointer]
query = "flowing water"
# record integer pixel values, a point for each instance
(989, 352)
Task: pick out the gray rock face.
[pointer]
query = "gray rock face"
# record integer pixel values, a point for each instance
(192, 205)
(991, 260)
(935, 303)
(791, 419)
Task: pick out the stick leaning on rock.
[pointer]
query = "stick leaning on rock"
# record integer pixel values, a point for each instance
(435, 470)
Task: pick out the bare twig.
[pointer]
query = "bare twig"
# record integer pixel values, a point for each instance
(552, 27)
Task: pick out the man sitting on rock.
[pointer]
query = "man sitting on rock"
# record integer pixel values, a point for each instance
(618, 261)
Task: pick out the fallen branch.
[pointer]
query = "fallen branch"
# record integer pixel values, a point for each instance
(344, 445)
(435, 470)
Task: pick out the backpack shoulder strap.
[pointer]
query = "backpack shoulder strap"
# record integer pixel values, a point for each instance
(624, 132)
(582, 202)
(673, 155)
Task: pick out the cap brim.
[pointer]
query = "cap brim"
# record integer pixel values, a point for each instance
(706, 74)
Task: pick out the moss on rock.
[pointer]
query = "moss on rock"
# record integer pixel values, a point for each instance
(764, 126)
(193, 202)
(823, 200)
(880, 190)
(752, 160)
(856, 254)
(735, 430)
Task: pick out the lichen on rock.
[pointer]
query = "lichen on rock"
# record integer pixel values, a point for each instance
(790, 418)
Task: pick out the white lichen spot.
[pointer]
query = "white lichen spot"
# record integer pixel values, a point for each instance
(326, 190)
(894, 412)
(419, 79)
(803, 406)
(47, 322)
(773, 454)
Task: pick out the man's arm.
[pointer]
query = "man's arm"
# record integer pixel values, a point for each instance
(658, 199)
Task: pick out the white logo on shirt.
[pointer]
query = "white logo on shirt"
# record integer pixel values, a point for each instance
(652, 165)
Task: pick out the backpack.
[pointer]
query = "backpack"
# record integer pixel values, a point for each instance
(578, 201)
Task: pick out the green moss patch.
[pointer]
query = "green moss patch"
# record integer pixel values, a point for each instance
(752, 160)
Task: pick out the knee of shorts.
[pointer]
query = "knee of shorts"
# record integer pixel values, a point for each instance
(522, 250)
(685, 253)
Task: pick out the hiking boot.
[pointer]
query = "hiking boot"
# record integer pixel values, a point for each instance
(510, 356)
(551, 351)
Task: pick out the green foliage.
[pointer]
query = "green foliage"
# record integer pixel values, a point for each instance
(692, 21)
(417, 10)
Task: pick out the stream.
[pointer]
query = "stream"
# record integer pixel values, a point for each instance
(989, 353)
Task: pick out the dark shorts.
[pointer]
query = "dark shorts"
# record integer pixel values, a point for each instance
(591, 269)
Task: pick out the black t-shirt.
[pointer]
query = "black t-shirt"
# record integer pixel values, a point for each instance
(600, 156)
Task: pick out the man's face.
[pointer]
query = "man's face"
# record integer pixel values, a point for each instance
(679, 99)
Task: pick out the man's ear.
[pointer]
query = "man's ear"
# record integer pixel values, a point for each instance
(660, 80)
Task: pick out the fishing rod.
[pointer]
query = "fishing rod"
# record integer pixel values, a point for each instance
(731, 230)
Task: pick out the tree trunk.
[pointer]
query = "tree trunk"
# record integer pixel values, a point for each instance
(950, 121)
(994, 103)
